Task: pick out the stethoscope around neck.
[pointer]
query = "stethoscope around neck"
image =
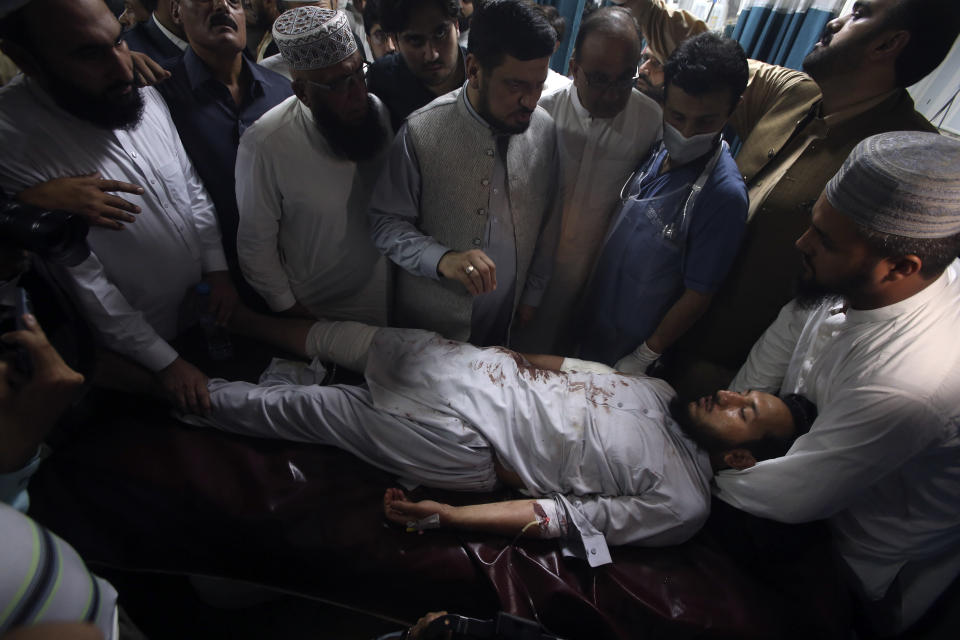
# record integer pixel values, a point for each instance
(672, 230)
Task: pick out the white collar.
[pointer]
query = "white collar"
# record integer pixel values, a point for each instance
(578, 107)
(922, 297)
(181, 44)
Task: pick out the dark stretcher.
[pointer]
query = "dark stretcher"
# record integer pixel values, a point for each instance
(132, 488)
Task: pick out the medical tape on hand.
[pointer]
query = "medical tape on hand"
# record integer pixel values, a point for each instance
(430, 522)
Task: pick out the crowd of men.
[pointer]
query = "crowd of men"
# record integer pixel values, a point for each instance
(505, 254)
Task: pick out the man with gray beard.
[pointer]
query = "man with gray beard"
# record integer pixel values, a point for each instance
(304, 174)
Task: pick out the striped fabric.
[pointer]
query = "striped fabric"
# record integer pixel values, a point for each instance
(783, 31)
(44, 580)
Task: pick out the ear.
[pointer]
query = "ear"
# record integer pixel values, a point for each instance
(902, 267)
(300, 90)
(889, 47)
(739, 459)
(473, 71)
(175, 12)
(574, 67)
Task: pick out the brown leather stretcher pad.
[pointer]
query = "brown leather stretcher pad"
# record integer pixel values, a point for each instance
(132, 488)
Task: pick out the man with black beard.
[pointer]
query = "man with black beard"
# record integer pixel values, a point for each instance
(466, 204)
(304, 174)
(77, 111)
(881, 360)
(796, 129)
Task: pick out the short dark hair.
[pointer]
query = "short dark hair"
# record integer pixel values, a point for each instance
(557, 21)
(395, 14)
(371, 15)
(936, 254)
(509, 27)
(933, 26)
(706, 63)
(605, 20)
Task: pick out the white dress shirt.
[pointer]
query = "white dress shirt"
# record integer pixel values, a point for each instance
(131, 286)
(304, 234)
(597, 157)
(882, 459)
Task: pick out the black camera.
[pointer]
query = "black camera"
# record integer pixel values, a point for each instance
(55, 236)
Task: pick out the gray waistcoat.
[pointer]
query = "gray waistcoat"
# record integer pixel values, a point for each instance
(456, 156)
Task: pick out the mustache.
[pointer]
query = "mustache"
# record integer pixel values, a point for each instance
(220, 19)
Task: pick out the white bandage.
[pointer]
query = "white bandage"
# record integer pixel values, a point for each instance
(430, 522)
(549, 519)
(343, 342)
(639, 361)
(584, 366)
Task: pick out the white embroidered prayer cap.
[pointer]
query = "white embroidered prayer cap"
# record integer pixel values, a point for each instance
(902, 183)
(313, 38)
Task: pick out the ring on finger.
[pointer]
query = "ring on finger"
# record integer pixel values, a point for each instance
(469, 269)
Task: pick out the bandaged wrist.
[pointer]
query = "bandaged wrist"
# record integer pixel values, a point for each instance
(584, 366)
(551, 524)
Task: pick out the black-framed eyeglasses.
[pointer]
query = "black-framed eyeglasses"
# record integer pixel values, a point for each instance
(344, 83)
(602, 83)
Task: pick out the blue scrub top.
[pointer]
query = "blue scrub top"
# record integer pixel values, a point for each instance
(648, 261)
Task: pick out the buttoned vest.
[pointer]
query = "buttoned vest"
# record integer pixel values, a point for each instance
(456, 153)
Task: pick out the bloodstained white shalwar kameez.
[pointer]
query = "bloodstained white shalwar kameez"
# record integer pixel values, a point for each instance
(603, 446)
(882, 459)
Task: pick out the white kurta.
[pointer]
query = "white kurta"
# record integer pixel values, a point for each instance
(597, 156)
(603, 444)
(882, 460)
(303, 232)
(131, 286)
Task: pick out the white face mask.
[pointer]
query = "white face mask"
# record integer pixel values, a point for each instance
(683, 150)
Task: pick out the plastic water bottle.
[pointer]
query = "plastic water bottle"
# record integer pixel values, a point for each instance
(217, 338)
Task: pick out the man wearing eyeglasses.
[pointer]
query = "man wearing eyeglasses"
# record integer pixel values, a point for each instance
(605, 129)
(467, 205)
(304, 174)
(215, 92)
(681, 220)
(429, 61)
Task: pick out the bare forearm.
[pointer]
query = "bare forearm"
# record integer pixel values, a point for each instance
(544, 361)
(678, 319)
(505, 518)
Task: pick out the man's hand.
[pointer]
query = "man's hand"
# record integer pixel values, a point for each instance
(638, 361)
(187, 386)
(146, 70)
(397, 509)
(88, 196)
(31, 406)
(223, 296)
(416, 631)
(474, 269)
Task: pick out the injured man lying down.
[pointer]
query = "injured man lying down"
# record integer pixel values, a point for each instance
(606, 458)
